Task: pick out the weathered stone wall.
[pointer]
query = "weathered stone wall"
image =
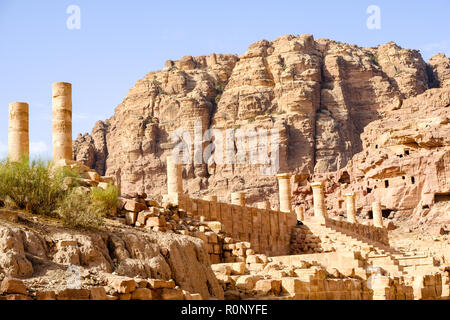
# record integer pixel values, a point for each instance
(267, 230)
(362, 232)
(303, 241)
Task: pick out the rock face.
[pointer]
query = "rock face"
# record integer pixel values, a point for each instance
(404, 165)
(439, 70)
(91, 149)
(319, 94)
(147, 255)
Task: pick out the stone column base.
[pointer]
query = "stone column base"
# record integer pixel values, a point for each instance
(320, 220)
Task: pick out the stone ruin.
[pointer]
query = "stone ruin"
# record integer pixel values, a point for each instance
(254, 252)
(18, 132)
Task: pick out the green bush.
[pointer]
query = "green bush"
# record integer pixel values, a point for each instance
(78, 210)
(41, 188)
(35, 187)
(105, 199)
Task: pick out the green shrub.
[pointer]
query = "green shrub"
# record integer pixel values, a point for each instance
(35, 187)
(220, 88)
(78, 210)
(105, 199)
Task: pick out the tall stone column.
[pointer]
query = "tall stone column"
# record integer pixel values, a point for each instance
(174, 178)
(18, 131)
(351, 208)
(320, 209)
(62, 121)
(284, 187)
(377, 215)
(238, 198)
(300, 212)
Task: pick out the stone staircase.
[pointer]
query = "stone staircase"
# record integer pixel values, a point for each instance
(389, 259)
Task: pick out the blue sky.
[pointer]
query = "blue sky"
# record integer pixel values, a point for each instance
(120, 41)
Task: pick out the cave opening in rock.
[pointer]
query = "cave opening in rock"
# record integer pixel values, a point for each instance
(442, 197)
(386, 183)
(386, 213)
(413, 180)
(345, 178)
(369, 190)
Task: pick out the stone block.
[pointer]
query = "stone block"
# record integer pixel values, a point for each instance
(156, 222)
(134, 206)
(160, 284)
(172, 294)
(13, 286)
(98, 293)
(122, 285)
(142, 294)
(266, 287)
(294, 286)
(192, 296)
(237, 268)
(73, 294)
(247, 283)
(223, 269)
(46, 295)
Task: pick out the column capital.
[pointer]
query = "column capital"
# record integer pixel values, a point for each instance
(284, 176)
(317, 184)
(62, 84)
(19, 103)
(350, 194)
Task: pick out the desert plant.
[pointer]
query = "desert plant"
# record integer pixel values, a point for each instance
(36, 187)
(220, 88)
(105, 199)
(78, 210)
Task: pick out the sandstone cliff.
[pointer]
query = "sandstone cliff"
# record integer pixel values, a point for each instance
(319, 94)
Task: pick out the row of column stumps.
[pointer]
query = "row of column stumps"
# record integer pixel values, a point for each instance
(175, 187)
(18, 128)
(320, 211)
